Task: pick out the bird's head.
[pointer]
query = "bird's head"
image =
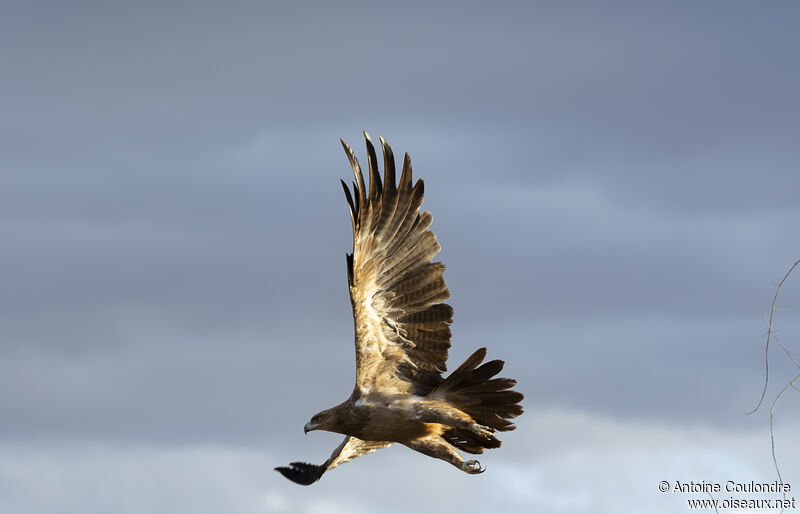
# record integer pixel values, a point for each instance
(319, 421)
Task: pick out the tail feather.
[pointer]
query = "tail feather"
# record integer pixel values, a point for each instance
(495, 384)
(489, 401)
(463, 372)
(484, 373)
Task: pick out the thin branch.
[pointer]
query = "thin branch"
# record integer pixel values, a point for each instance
(769, 333)
(772, 428)
(786, 350)
(713, 501)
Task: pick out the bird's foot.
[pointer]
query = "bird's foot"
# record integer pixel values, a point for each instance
(482, 431)
(473, 467)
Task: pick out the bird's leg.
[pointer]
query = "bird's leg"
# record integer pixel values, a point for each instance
(437, 412)
(438, 448)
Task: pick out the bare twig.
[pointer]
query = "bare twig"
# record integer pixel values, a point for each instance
(714, 500)
(786, 350)
(772, 428)
(769, 334)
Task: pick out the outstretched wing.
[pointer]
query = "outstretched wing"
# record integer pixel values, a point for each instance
(402, 328)
(306, 474)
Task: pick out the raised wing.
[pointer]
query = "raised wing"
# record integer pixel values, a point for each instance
(402, 328)
(306, 474)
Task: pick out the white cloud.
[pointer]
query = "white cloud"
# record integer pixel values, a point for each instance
(557, 462)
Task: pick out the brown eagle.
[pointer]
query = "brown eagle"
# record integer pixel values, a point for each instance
(402, 336)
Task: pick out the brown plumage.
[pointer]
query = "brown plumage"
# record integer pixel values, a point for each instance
(402, 336)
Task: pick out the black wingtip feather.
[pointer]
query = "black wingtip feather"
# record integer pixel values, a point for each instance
(356, 200)
(349, 199)
(301, 473)
(388, 166)
(374, 178)
(349, 257)
(360, 190)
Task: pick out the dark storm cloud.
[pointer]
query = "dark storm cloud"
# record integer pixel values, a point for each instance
(606, 184)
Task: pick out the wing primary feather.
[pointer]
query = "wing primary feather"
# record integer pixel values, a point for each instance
(349, 203)
(403, 207)
(374, 178)
(405, 176)
(360, 190)
(389, 198)
(373, 211)
(356, 200)
(388, 166)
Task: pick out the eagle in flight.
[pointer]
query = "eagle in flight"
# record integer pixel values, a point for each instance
(402, 336)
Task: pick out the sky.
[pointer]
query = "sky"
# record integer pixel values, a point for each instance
(614, 186)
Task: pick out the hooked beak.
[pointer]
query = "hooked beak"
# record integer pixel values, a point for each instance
(307, 428)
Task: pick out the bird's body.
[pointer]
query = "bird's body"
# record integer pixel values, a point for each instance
(402, 339)
(382, 417)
